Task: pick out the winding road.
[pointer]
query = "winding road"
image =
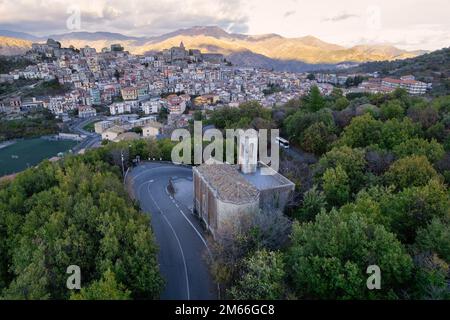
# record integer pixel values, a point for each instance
(92, 139)
(183, 250)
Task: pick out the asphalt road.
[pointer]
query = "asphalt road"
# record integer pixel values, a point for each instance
(92, 139)
(183, 250)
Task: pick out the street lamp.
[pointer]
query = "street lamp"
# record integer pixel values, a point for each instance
(123, 168)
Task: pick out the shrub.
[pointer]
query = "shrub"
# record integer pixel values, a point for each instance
(410, 171)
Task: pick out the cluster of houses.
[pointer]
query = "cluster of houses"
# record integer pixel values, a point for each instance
(117, 128)
(174, 80)
(123, 82)
(373, 83)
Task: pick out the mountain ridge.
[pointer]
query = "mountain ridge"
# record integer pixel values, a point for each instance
(13, 46)
(306, 50)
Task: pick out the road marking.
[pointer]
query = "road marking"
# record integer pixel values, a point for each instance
(182, 255)
(185, 217)
(176, 237)
(195, 229)
(162, 166)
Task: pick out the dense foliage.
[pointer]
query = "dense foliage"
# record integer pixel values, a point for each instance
(33, 124)
(75, 212)
(8, 64)
(247, 115)
(378, 195)
(48, 88)
(430, 67)
(16, 85)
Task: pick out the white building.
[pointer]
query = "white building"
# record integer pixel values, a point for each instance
(151, 107)
(102, 126)
(86, 112)
(151, 130)
(119, 108)
(112, 133)
(412, 86)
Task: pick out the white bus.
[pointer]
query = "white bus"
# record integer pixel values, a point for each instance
(283, 142)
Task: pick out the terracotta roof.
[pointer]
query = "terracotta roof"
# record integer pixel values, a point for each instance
(116, 129)
(228, 183)
(153, 124)
(127, 136)
(399, 81)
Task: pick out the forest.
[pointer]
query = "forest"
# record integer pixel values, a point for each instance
(77, 212)
(376, 193)
(373, 191)
(34, 123)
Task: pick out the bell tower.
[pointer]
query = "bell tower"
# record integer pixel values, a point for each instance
(248, 151)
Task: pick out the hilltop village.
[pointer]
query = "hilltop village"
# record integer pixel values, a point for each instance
(160, 89)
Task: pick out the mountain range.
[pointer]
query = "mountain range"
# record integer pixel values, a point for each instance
(268, 50)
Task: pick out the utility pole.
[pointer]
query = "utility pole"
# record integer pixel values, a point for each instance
(123, 168)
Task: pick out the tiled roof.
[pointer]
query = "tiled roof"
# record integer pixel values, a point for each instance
(153, 124)
(116, 129)
(228, 183)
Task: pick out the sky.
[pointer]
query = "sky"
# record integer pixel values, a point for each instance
(407, 24)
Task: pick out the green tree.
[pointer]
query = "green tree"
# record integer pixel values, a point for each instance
(362, 131)
(414, 208)
(315, 101)
(410, 171)
(329, 257)
(336, 186)
(317, 138)
(433, 150)
(352, 161)
(297, 123)
(337, 93)
(262, 277)
(436, 131)
(431, 277)
(392, 109)
(394, 132)
(435, 237)
(234, 118)
(341, 103)
(198, 116)
(74, 211)
(32, 283)
(106, 288)
(314, 202)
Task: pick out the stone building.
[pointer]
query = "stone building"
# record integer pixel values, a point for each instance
(151, 130)
(224, 192)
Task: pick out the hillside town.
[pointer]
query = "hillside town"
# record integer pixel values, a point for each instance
(173, 81)
(122, 81)
(224, 159)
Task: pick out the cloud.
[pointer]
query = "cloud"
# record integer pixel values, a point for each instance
(133, 17)
(341, 17)
(424, 25)
(289, 13)
(110, 13)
